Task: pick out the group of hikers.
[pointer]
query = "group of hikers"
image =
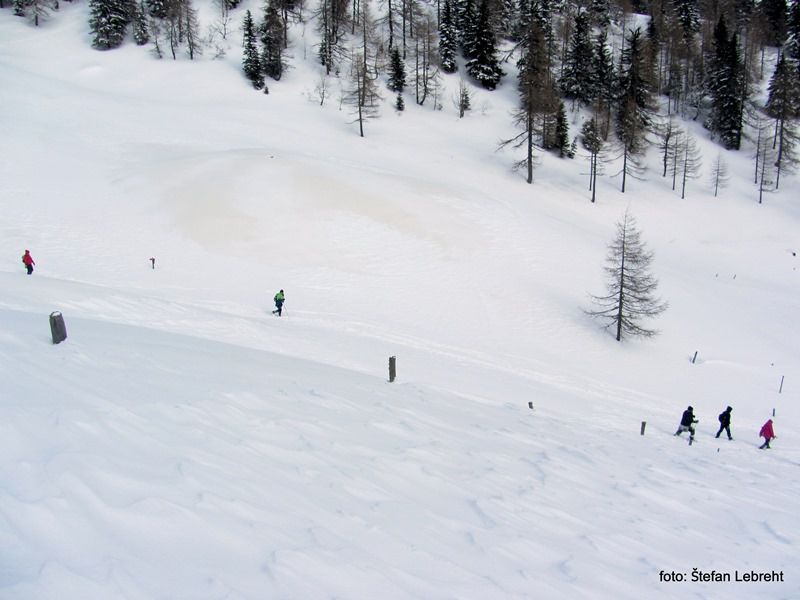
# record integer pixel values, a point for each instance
(279, 298)
(688, 420)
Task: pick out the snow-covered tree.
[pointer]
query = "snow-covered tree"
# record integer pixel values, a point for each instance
(483, 65)
(577, 77)
(726, 80)
(448, 39)
(141, 33)
(107, 21)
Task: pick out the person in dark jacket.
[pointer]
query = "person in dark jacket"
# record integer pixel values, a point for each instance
(27, 260)
(687, 420)
(725, 422)
(767, 433)
(279, 299)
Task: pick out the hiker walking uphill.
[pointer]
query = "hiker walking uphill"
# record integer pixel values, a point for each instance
(767, 433)
(279, 300)
(27, 260)
(687, 420)
(725, 422)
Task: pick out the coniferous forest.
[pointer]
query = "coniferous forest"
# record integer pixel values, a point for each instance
(636, 72)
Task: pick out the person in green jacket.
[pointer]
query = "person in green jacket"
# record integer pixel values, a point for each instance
(279, 299)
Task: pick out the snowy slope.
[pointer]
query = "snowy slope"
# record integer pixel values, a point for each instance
(183, 443)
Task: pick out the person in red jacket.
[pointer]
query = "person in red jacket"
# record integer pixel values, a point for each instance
(27, 260)
(767, 433)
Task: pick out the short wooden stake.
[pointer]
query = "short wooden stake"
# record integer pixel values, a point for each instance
(694, 358)
(773, 412)
(392, 368)
(530, 405)
(780, 389)
(644, 424)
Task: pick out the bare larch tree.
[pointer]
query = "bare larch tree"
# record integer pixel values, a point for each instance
(630, 285)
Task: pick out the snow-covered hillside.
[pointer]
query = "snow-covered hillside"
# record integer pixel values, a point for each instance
(185, 444)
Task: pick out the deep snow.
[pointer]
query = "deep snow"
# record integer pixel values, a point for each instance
(184, 443)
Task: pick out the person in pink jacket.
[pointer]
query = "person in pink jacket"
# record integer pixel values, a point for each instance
(767, 433)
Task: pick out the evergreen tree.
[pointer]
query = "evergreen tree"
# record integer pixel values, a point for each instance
(20, 7)
(726, 81)
(251, 64)
(107, 22)
(141, 34)
(156, 8)
(599, 13)
(463, 99)
(466, 26)
(783, 105)
(484, 66)
(630, 285)
(562, 142)
(506, 23)
(397, 71)
(448, 39)
(603, 83)
(635, 109)
(774, 15)
(592, 140)
(688, 18)
(577, 77)
(272, 41)
(793, 31)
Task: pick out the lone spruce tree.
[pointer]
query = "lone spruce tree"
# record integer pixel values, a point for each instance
(630, 285)
(251, 62)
